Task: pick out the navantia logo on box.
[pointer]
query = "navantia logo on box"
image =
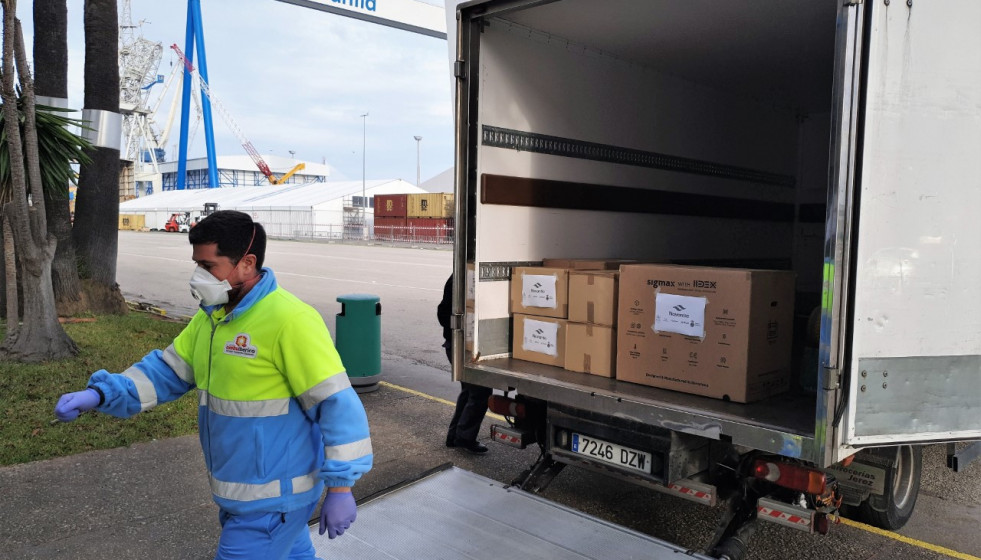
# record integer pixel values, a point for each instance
(367, 5)
(678, 311)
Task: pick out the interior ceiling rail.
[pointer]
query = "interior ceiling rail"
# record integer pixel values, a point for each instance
(566, 147)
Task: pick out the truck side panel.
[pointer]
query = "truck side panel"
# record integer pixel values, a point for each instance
(916, 366)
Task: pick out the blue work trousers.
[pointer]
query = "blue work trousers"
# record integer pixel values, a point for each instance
(266, 536)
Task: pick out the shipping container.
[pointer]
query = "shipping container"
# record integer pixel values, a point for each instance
(430, 205)
(133, 222)
(389, 228)
(390, 205)
(430, 230)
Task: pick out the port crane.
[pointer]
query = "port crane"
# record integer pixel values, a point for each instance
(233, 126)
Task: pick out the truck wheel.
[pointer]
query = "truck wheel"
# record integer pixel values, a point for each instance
(894, 508)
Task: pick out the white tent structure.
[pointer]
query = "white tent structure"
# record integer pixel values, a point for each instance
(331, 210)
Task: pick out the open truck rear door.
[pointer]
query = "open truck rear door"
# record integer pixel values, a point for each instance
(914, 370)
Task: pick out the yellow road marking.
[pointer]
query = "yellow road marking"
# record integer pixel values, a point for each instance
(432, 398)
(868, 528)
(910, 541)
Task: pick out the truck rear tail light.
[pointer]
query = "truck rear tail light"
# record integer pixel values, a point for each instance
(791, 476)
(504, 406)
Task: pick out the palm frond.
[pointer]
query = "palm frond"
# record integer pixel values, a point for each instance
(58, 148)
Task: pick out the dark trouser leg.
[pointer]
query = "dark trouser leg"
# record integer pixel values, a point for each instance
(473, 399)
(461, 403)
(471, 405)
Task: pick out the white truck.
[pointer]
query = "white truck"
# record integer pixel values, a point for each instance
(839, 139)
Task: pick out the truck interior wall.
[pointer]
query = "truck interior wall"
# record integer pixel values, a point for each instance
(535, 82)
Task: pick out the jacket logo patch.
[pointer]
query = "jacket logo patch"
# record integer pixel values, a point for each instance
(241, 346)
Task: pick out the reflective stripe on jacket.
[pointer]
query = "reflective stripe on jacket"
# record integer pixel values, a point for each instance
(277, 415)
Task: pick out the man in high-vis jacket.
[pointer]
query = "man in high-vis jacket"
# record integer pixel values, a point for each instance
(278, 419)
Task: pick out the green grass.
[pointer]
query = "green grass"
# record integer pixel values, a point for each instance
(28, 393)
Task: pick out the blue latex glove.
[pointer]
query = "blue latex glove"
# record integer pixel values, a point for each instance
(337, 513)
(71, 405)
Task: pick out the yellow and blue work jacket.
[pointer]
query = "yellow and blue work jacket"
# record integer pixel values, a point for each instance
(277, 415)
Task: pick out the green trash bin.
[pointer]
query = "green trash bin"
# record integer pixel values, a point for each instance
(358, 333)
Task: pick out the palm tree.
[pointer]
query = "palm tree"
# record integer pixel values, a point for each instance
(58, 148)
(95, 232)
(51, 80)
(39, 336)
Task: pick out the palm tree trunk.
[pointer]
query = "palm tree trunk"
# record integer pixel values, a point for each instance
(51, 48)
(40, 336)
(10, 273)
(95, 233)
(51, 80)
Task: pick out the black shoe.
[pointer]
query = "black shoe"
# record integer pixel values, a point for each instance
(450, 442)
(475, 447)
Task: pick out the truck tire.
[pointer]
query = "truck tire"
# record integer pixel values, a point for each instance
(893, 509)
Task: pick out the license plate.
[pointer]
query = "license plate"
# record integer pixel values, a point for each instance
(611, 453)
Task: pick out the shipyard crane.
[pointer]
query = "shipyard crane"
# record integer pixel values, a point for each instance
(230, 122)
(407, 15)
(227, 117)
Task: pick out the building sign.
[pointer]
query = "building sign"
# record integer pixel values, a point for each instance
(407, 15)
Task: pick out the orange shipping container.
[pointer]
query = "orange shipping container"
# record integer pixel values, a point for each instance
(430, 205)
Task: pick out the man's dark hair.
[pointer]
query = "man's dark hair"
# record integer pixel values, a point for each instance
(232, 231)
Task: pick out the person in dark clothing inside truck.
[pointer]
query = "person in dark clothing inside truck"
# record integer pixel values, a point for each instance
(471, 405)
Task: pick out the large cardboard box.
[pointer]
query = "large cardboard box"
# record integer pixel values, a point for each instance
(591, 349)
(593, 296)
(719, 332)
(540, 291)
(539, 339)
(586, 264)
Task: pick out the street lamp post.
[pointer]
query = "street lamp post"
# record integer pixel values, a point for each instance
(418, 160)
(364, 136)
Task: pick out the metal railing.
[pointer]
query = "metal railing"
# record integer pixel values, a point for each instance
(396, 235)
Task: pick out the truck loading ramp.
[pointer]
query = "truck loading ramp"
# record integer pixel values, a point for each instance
(454, 514)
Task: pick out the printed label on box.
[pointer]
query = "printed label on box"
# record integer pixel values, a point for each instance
(679, 314)
(541, 337)
(538, 291)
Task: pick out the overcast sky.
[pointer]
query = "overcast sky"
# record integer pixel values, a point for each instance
(299, 79)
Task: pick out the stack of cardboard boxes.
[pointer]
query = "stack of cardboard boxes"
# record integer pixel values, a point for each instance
(719, 332)
(539, 307)
(565, 314)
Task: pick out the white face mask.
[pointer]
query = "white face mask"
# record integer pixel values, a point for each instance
(207, 289)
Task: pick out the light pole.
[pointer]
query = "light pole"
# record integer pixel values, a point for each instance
(364, 136)
(418, 159)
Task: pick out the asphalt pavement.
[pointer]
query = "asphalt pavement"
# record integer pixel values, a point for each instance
(151, 501)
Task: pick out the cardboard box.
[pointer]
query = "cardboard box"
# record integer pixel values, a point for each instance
(591, 349)
(586, 264)
(539, 339)
(593, 296)
(719, 332)
(540, 291)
